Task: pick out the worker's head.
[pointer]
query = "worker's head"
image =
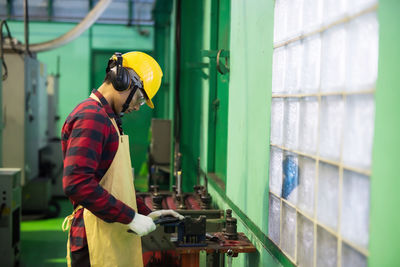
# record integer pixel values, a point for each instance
(136, 76)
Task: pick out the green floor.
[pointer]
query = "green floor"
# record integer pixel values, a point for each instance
(43, 243)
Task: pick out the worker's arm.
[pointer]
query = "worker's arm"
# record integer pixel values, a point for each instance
(141, 206)
(88, 135)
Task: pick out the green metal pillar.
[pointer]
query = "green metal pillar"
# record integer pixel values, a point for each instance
(385, 183)
(191, 35)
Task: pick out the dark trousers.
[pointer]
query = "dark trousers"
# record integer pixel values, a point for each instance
(80, 258)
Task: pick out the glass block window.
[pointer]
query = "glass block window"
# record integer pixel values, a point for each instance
(118, 12)
(325, 65)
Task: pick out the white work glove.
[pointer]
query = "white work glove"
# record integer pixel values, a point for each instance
(155, 214)
(142, 225)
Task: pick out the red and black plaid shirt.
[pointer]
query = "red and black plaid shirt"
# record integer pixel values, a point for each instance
(89, 144)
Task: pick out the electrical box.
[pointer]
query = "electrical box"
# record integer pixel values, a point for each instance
(10, 216)
(20, 112)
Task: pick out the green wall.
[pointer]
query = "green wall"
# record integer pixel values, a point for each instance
(385, 182)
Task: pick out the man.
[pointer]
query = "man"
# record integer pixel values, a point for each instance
(97, 167)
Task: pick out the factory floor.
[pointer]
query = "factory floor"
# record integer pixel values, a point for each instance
(43, 243)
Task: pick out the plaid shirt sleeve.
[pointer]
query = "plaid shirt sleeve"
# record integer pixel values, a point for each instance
(84, 147)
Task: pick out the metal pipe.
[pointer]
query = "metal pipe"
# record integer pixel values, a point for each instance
(26, 27)
(91, 17)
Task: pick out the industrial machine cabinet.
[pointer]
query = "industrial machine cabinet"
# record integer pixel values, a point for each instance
(10, 216)
(20, 113)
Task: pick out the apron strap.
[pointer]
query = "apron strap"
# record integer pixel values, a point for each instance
(68, 220)
(113, 120)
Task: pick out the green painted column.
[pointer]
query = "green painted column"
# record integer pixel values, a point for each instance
(162, 27)
(192, 16)
(385, 180)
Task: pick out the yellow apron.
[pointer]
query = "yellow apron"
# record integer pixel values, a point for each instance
(110, 244)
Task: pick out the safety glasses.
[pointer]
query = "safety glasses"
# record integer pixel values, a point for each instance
(140, 99)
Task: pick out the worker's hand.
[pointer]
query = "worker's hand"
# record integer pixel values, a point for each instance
(142, 225)
(155, 214)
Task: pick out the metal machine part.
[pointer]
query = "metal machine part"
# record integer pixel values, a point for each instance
(231, 226)
(191, 231)
(52, 105)
(205, 201)
(156, 198)
(43, 131)
(36, 196)
(10, 215)
(159, 240)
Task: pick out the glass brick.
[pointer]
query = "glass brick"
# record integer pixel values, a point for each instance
(326, 249)
(333, 65)
(275, 171)
(291, 123)
(355, 208)
(362, 59)
(312, 15)
(330, 127)
(352, 258)
(274, 219)
(308, 131)
(294, 18)
(328, 195)
(359, 131)
(307, 176)
(290, 169)
(278, 70)
(356, 6)
(310, 70)
(333, 10)
(280, 13)
(305, 241)
(293, 67)
(277, 115)
(288, 229)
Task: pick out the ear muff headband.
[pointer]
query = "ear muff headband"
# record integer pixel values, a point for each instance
(120, 78)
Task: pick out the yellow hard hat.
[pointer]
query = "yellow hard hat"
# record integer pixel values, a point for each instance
(148, 70)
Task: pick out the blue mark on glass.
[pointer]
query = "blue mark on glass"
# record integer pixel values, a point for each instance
(290, 176)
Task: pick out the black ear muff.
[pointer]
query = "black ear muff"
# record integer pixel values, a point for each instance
(120, 79)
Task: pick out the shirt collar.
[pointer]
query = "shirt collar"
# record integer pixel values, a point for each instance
(104, 103)
(110, 112)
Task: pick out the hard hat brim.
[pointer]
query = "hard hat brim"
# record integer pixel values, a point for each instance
(150, 103)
